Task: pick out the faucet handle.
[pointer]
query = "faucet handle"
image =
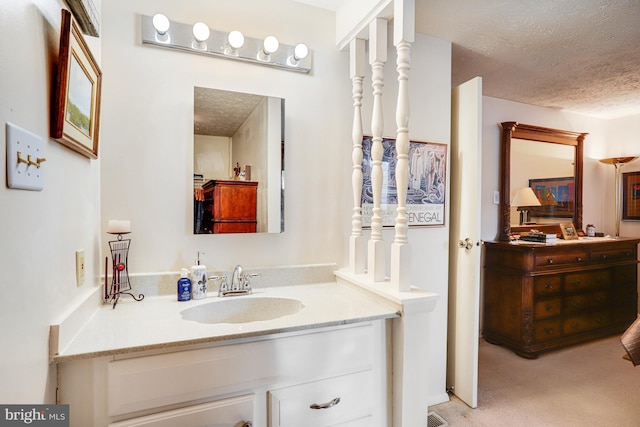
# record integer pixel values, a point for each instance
(224, 286)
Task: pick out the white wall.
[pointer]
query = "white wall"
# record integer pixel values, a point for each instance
(623, 140)
(148, 127)
(41, 230)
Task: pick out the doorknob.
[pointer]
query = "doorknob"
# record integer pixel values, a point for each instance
(466, 244)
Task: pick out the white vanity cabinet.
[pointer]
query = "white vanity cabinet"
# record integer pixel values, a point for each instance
(266, 381)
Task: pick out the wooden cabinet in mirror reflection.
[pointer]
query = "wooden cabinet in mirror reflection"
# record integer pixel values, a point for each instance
(227, 206)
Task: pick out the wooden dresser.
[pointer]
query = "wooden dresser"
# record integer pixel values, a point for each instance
(539, 297)
(231, 206)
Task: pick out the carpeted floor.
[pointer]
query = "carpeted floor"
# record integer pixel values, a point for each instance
(588, 385)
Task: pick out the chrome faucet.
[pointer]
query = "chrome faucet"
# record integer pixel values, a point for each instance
(237, 278)
(240, 284)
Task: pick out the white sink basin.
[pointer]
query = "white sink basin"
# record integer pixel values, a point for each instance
(242, 309)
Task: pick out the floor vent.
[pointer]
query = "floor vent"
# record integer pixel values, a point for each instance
(435, 420)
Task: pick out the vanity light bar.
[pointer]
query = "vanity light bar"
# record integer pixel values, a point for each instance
(175, 35)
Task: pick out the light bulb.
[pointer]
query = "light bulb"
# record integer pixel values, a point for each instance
(236, 39)
(201, 31)
(161, 23)
(301, 51)
(270, 45)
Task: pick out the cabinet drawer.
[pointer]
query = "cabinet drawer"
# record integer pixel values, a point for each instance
(586, 322)
(578, 282)
(347, 398)
(554, 258)
(547, 285)
(547, 330)
(547, 308)
(150, 382)
(228, 412)
(609, 255)
(578, 303)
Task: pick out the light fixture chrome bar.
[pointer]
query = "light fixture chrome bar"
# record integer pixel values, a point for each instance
(180, 37)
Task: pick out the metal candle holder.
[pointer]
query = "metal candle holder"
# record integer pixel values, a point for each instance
(120, 274)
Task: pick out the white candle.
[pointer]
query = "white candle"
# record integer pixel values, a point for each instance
(116, 226)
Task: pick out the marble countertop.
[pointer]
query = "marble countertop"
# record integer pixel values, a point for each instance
(156, 323)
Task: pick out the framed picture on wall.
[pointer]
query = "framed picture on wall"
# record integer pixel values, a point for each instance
(555, 195)
(75, 113)
(631, 196)
(426, 188)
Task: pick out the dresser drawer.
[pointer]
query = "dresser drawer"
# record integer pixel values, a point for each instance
(625, 274)
(547, 308)
(546, 330)
(609, 255)
(547, 285)
(581, 302)
(579, 282)
(586, 322)
(555, 258)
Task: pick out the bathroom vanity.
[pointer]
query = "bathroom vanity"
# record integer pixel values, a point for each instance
(331, 363)
(273, 380)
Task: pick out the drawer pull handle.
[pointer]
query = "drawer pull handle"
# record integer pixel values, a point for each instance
(550, 261)
(548, 286)
(327, 405)
(549, 331)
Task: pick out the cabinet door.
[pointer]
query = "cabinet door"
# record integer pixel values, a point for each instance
(234, 412)
(339, 401)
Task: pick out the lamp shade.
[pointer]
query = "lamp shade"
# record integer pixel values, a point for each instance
(525, 197)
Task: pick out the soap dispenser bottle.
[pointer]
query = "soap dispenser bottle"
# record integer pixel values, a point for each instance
(184, 286)
(198, 280)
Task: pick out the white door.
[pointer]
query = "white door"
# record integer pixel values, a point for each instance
(465, 247)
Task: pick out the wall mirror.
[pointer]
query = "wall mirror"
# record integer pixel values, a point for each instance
(238, 167)
(549, 161)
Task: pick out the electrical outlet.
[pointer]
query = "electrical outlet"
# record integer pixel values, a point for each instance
(80, 267)
(496, 197)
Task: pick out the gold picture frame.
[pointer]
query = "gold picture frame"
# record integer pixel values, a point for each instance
(75, 120)
(569, 231)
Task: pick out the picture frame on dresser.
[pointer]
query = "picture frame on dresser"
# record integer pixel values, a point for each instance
(569, 231)
(631, 196)
(75, 110)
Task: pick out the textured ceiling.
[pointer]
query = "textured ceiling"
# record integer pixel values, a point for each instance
(232, 108)
(576, 55)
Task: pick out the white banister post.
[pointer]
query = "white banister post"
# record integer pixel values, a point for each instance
(377, 59)
(403, 35)
(357, 246)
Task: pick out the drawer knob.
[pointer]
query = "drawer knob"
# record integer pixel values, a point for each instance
(549, 307)
(579, 259)
(549, 331)
(548, 286)
(550, 261)
(327, 405)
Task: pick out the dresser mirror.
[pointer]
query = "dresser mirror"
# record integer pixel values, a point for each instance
(550, 162)
(238, 145)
